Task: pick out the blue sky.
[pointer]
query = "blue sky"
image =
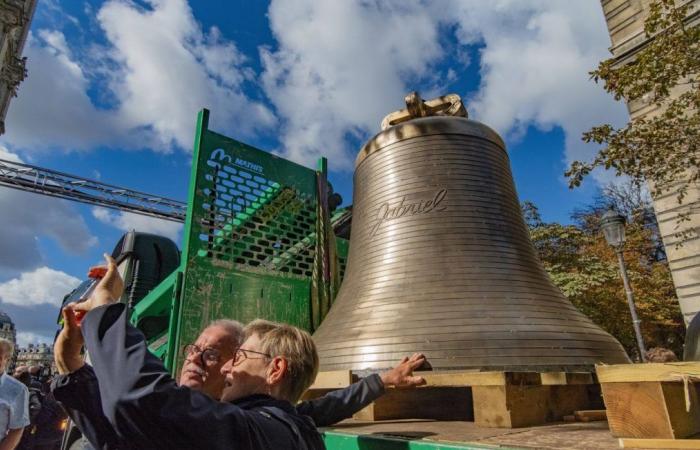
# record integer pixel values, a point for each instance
(114, 88)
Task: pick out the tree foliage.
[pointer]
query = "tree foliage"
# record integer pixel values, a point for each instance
(662, 148)
(585, 268)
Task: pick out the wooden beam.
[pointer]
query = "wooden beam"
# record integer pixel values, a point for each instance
(439, 403)
(565, 378)
(590, 415)
(480, 378)
(655, 410)
(335, 379)
(626, 373)
(660, 443)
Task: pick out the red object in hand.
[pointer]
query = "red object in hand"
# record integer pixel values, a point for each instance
(97, 272)
(79, 316)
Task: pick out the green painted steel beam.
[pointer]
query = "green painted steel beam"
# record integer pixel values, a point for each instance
(345, 441)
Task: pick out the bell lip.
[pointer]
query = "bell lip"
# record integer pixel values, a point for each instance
(428, 126)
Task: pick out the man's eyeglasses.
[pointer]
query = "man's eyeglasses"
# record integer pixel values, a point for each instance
(243, 353)
(208, 356)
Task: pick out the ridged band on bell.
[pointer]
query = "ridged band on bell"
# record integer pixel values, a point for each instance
(441, 263)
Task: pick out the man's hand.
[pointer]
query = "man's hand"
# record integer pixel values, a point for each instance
(66, 350)
(107, 291)
(402, 376)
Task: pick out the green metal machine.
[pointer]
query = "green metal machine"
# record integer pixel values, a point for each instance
(258, 242)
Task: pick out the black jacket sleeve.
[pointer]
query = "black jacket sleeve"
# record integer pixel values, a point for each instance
(343, 403)
(79, 394)
(143, 403)
(34, 404)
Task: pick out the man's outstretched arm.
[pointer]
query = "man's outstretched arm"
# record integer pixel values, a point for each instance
(343, 403)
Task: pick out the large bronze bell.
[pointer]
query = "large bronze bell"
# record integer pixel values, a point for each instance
(441, 261)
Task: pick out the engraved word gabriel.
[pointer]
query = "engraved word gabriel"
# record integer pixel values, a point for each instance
(386, 212)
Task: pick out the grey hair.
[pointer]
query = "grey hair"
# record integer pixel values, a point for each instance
(8, 346)
(232, 327)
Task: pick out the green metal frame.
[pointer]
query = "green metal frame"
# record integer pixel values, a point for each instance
(251, 245)
(346, 441)
(249, 239)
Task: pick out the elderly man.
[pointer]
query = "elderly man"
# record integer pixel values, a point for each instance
(14, 402)
(203, 371)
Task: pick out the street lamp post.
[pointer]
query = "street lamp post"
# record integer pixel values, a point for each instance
(613, 226)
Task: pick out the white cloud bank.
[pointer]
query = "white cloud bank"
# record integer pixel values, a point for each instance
(335, 70)
(24, 338)
(27, 216)
(341, 66)
(41, 286)
(157, 70)
(128, 221)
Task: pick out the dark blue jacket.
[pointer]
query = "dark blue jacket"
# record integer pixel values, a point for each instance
(147, 410)
(80, 394)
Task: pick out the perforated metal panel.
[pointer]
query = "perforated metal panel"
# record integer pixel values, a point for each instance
(250, 237)
(253, 222)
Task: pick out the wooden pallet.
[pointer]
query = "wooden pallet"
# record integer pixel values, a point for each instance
(490, 399)
(652, 401)
(664, 444)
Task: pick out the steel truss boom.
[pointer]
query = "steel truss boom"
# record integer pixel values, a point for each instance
(30, 178)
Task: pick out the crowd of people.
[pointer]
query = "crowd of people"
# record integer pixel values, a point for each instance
(239, 388)
(30, 417)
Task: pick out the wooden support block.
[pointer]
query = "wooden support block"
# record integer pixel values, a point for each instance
(565, 400)
(652, 409)
(566, 378)
(590, 415)
(522, 406)
(626, 373)
(480, 378)
(570, 418)
(492, 399)
(660, 443)
(335, 379)
(440, 403)
(510, 406)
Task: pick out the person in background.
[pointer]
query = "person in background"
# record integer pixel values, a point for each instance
(14, 402)
(660, 355)
(46, 417)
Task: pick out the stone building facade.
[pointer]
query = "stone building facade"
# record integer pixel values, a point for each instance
(8, 331)
(15, 17)
(7, 328)
(35, 355)
(625, 20)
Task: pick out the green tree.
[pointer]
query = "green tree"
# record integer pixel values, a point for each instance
(584, 267)
(663, 148)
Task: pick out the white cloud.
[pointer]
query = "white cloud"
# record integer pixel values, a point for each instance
(156, 71)
(535, 65)
(42, 286)
(169, 69)
(341, 66)
(52, 108)
(128, 221)
(8, 155)
(24, 338)
(28, 216)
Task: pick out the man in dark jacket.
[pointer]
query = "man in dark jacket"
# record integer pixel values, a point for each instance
(147, 410)
(79, 390)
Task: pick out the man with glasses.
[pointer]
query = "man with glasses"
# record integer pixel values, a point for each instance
(206, 369)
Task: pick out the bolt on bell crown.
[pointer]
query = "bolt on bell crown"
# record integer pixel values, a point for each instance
(441, 262)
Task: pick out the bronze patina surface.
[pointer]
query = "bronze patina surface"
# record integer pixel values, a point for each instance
(441, 262)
